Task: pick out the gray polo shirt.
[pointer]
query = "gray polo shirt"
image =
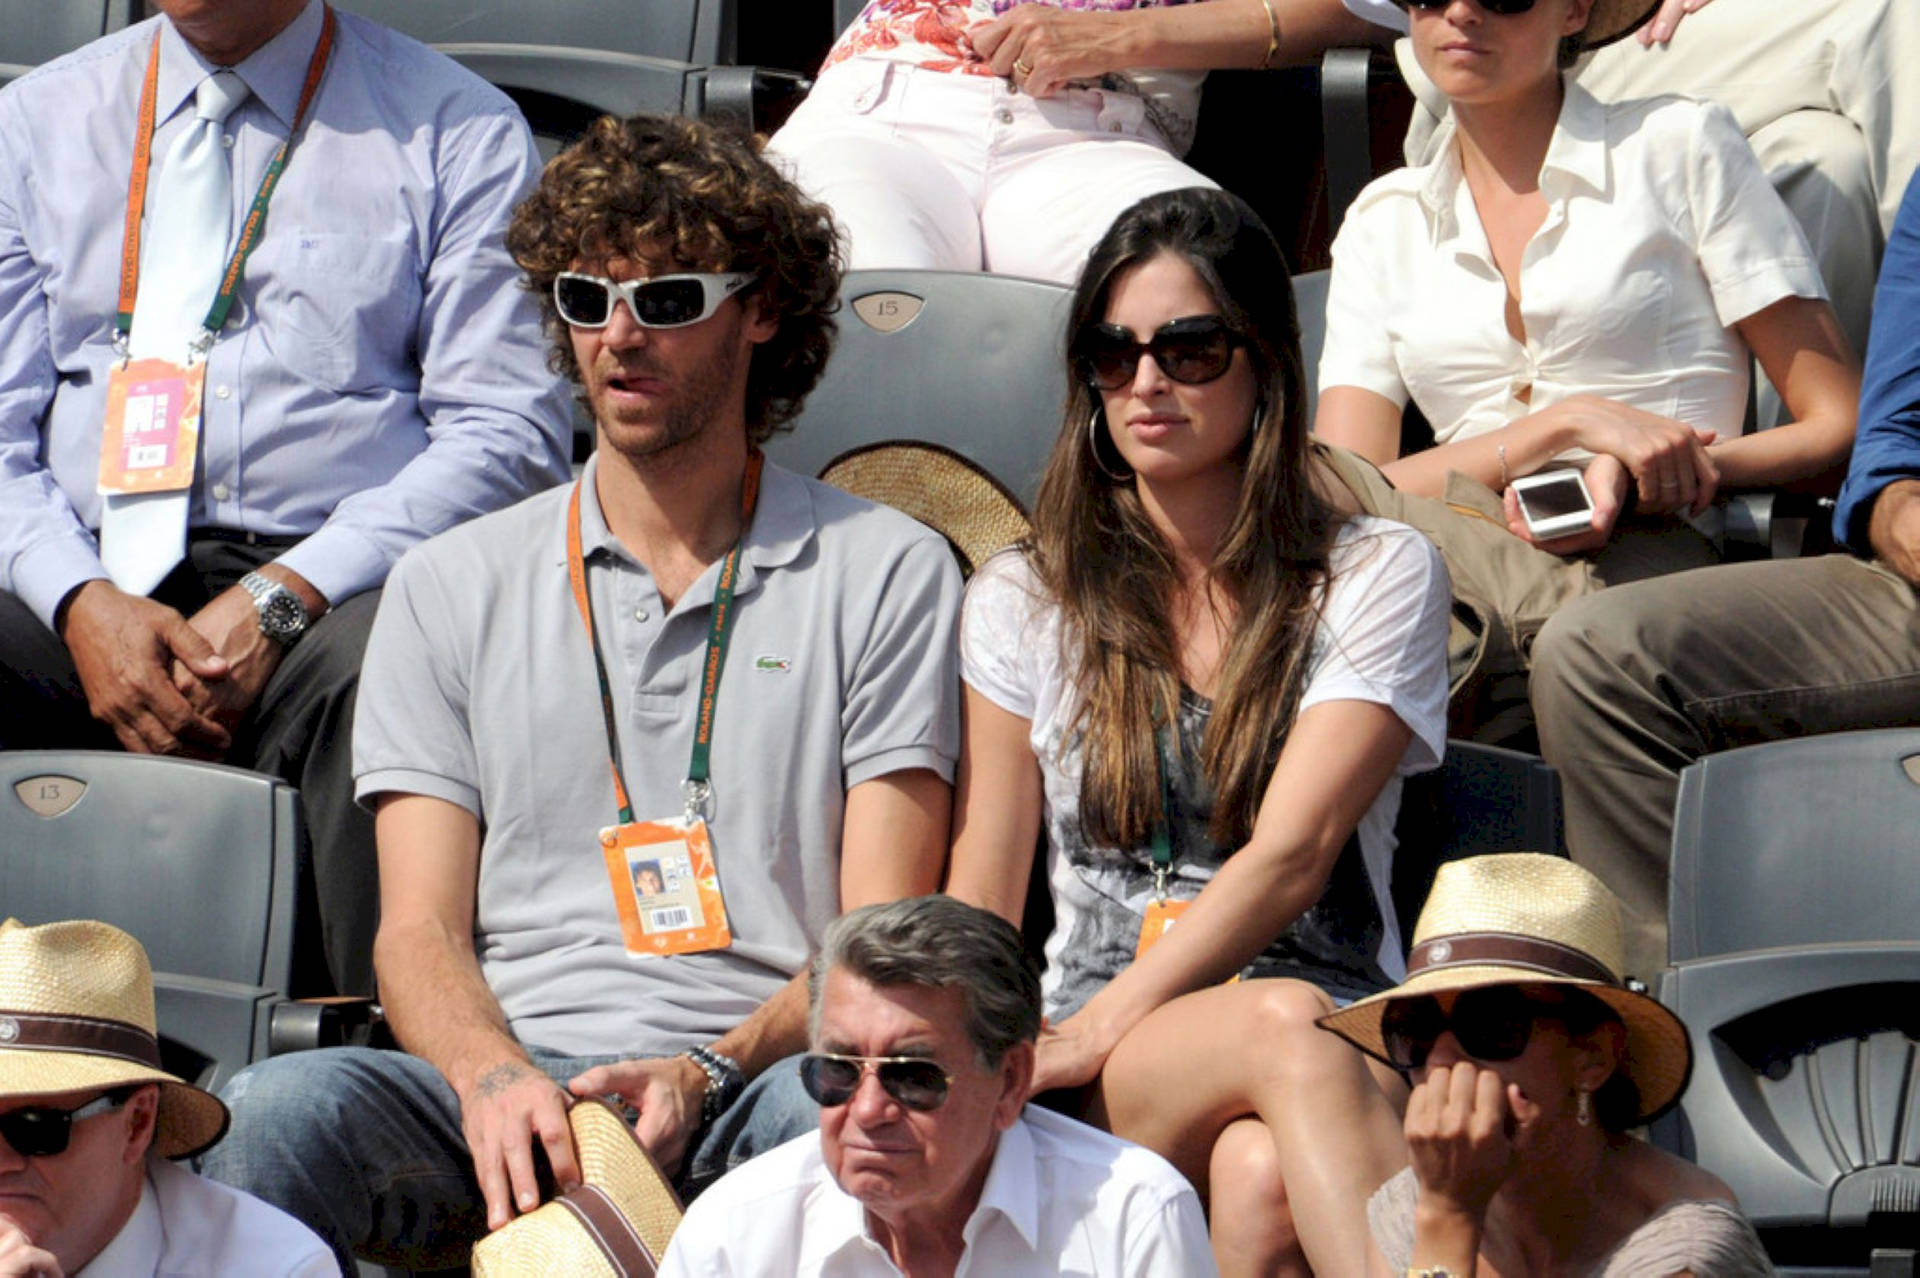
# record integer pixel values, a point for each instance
(479, 689)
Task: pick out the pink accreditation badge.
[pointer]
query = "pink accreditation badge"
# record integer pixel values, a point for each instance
(152, 430)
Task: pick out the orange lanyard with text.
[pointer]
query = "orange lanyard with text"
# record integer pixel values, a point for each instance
(250, 230)
(719, 632)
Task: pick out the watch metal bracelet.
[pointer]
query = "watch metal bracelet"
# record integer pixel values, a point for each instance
(725, 1081)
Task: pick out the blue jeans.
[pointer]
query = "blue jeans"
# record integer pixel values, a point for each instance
(365, 1147)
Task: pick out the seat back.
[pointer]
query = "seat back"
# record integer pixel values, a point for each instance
(1310, 301)
(702, 32)
(970, 362)
(198, 861)
(36, 31)
(1811, 841)
(1482, 799)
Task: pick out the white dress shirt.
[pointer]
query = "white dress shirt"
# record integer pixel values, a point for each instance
(1661, 233)
(1060, 1198)
(187, 1225)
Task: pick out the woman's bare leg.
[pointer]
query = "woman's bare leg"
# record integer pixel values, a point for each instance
(1184, 1073)
(1247, 1212)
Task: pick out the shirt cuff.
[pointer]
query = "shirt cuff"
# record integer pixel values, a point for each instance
(48, 571)
(1755, 290)
(412, 781)
(899, 759)
(338, 562)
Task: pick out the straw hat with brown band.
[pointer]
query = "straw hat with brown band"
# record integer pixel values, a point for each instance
(76, 1014)
(1520, 918)
(940, 488)
(616, 1225)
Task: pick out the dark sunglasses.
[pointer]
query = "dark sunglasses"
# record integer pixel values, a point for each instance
(666, 301)
(1492, 1024)
(42, 1132)
(832, 1079)
(1505, 8)
(1193, 350)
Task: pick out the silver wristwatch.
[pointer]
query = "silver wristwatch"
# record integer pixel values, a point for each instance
(283, 618)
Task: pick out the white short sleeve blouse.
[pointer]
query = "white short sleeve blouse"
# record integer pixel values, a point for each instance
(1661, 233)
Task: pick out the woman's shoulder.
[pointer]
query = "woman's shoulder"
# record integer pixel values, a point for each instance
(1692, 1224)
(1669, 129)
(1368, 547)
(1007, 576)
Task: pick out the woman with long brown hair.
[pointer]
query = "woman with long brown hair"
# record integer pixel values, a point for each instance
(1205, 682)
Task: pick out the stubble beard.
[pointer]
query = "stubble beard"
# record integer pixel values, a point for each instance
(696, 400)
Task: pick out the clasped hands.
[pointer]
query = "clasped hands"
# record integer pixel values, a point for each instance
(511, 1105)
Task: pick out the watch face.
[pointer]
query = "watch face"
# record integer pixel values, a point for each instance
(282, 617)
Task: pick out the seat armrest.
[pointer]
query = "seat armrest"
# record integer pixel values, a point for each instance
(303, 1024)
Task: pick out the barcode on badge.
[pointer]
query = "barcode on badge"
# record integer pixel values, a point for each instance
(669, 919)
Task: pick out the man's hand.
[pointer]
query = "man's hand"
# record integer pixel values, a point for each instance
(1894, 528)
(503, 1111)
(125, 648)
(21, 1259)
(1661, 29)
(667, 1091)
(1041, 48)
(1608, 483)
(231, 627)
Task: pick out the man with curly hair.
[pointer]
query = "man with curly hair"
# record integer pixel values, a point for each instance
(543, 715)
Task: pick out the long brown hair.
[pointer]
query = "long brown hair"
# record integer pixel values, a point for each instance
(1099, 556)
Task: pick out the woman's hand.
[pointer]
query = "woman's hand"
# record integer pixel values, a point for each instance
(1071, 1054)
(1668, 459)
(1041, 48)
(1660, 30)
(1463, 1124)
(1607, 482)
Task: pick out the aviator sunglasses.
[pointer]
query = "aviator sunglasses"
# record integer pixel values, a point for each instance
(831, 1079)
(1491, 1024)
(1505, 8)
(665, 301)
(42, 1132)
(1193, 350)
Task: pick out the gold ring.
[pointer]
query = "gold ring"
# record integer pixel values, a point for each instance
(1021, 68)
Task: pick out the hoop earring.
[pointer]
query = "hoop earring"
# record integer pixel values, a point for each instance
(1583, 1108)
(1094, 424)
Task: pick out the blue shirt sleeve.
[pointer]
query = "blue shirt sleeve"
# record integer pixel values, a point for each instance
(1887, 447)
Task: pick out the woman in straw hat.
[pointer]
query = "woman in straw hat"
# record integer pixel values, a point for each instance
(1205, 682)
(1571, 283)
(1531, 1060)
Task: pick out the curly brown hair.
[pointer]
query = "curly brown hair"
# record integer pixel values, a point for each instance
(711, 201)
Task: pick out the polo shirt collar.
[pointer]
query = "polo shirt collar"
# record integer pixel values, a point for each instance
(1577, 153)
(837, 1222)
(783, 522)
(274, 73)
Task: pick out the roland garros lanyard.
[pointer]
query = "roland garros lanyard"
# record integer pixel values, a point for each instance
(250, 230)
(719, 632)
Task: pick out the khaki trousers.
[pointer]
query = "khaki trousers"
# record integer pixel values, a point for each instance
(1631, 685)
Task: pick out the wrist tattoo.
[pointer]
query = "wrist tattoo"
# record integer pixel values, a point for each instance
(499, 1079)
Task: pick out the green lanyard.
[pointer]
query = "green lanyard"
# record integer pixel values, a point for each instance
(250, 230)
(1162, 840)
(719, 633)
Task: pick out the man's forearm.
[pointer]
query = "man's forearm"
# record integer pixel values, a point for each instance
(439, 1006)
(776, 1030)
(1894, 528)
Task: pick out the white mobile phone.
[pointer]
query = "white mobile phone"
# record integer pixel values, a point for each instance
(1555, 503)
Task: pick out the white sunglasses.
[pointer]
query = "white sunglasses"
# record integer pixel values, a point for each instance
(665, 301)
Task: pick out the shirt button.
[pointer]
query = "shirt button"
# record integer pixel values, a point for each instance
(226, 140)
(221, 492)
(1003, 115)
(639, 614)
(223, 391)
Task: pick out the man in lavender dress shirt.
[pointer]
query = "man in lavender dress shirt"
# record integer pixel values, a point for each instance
(381, 378)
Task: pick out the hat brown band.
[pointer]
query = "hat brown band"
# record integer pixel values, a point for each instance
(92, 1035)
(1476, 949)
(610, 1229)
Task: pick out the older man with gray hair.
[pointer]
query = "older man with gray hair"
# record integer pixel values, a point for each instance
(929, 1161)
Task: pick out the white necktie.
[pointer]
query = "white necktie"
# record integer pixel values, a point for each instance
(142, 536)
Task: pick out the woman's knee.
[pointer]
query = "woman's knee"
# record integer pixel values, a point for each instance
(1248, 1212)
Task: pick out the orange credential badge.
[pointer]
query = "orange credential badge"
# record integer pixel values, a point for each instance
(665, 888)
(152, 430)
(1160, 918)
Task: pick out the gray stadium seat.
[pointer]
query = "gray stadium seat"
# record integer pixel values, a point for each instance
(1794, 926)
(701, 32)
(968, 361)
(36, 31)
(200, 862)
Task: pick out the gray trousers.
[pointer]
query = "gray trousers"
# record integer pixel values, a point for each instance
(1634, 683)
(300, 730)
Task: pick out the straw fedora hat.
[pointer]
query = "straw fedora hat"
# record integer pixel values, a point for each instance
(1524, 918)
(76, 1014)
(616, 1225)
(1613, 20)
(938, 487)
